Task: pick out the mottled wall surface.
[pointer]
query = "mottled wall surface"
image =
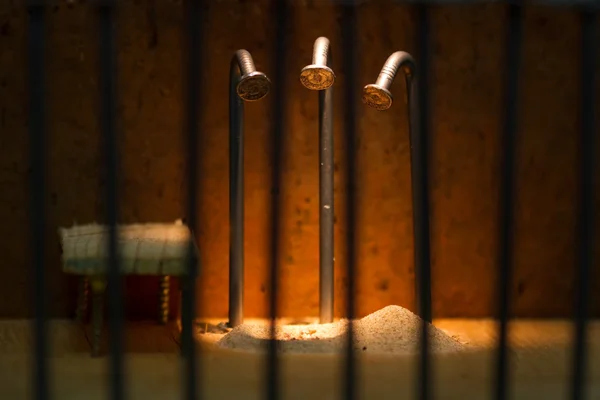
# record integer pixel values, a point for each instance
(467, 89)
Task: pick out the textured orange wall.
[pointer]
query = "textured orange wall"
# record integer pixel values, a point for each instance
(467, 45)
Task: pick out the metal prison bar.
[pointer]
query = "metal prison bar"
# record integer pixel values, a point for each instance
(195, 14)
(192, 81)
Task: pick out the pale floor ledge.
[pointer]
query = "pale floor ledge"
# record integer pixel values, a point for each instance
(541, 365)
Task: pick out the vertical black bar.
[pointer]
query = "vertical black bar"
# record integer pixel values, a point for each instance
(349, 42)
(37, 136)
(420, 170)
(506, 205)
(326, 206)
(192, 86)
(108, 126)
(420, 187)
(586, 207)
(281, 15)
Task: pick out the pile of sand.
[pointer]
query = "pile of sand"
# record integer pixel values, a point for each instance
(391, 330)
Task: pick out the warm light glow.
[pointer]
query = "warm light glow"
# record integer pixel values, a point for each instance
(392, 330)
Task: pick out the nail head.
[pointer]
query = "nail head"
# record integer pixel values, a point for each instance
(254, 86)
(377, 97)
(317, 77)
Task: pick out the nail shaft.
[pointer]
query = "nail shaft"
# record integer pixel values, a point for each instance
(326, 203)
(236, 193)
(379, 96)
(397, 60)
(321, 51)
(245, 83)
(319, 76)
(245, 62)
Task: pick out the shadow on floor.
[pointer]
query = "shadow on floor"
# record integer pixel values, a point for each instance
(68, 337)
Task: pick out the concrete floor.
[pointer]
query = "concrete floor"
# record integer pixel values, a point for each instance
(540, 366)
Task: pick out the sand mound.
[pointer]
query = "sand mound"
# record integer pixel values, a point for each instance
(396, 330)
(314, 338)
(391, 330)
